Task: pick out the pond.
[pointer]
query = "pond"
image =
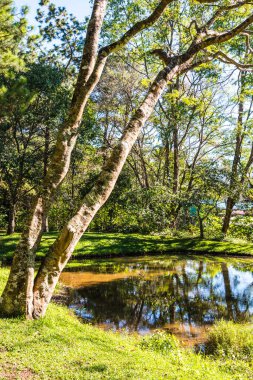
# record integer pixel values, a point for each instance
(183, 296)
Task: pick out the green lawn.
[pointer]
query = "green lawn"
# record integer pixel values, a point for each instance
(61, 347)
(103, 245)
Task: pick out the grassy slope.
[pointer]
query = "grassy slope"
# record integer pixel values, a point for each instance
(61, 347)
(94, 244)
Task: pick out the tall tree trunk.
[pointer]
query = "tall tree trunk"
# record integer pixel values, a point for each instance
(11, 219)
(233, 185)
(46, 151)
(166, 174)
(229, 208)
(45, 165)
(46, 226)
(175, 160)
(144, 169)
(201, 225)
(175, 142)
(201, 228)
(17, 296)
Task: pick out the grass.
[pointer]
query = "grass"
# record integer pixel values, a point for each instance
(105, 245)
(59, 346)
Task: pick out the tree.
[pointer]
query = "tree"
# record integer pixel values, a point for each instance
(240, 169)
(12, 32)
(23, 294)
(31, 108)
(91, 68)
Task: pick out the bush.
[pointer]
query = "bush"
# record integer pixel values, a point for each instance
(160, 342)
(213, 227)
(241, 227)
(231, 340)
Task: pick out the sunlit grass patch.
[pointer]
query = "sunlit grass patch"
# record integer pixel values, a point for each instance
(111, 245)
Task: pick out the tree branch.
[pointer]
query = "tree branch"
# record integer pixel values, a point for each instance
(226, 59)
(222, 9)
(136, 28)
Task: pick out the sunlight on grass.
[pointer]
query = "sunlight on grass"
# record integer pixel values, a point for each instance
(101, 244)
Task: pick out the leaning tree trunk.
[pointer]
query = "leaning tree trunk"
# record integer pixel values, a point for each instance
(17, 298)
(63, 248)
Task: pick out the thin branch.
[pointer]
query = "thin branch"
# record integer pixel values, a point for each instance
(226, 59)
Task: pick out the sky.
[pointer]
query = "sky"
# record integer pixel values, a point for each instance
(80, 8)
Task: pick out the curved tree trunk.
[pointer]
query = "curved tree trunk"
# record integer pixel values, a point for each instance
(63, 248)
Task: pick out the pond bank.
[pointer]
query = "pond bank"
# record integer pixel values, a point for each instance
(60, 347)
(97, 245)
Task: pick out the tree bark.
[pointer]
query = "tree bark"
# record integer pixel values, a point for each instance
(11, 219)
(46, 226)
(233, 185)
(46, 151)
(175, 160)
(166, 173)
(229, 208)
(201, 228)
(175, 143)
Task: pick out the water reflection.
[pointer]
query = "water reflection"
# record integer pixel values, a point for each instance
(181, 296)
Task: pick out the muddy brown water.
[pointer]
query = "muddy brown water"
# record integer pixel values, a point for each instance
(181, 296)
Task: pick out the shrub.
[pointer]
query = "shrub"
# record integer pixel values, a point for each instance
(232, 340)
(241, 227)
(160, 341)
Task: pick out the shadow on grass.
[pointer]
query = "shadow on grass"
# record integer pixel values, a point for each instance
(109, 245)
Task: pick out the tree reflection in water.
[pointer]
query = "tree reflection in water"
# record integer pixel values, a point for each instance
(182, 296)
